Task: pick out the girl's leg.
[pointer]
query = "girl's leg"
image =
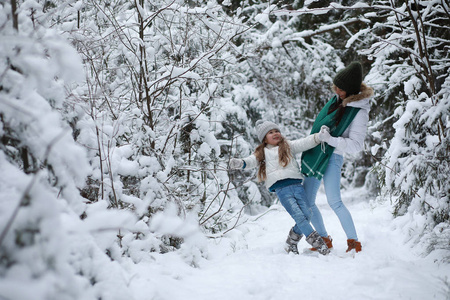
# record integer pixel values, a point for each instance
(290, 197)
(312, 185)
(300, 197)
(332, 183)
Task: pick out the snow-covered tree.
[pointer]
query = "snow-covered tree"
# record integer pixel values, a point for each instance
(154, 110)
(412, 63)
(44, 245)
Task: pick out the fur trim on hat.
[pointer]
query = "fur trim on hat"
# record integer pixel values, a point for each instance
(366, 92)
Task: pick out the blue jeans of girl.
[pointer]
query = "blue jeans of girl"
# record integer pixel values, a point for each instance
(332, 184)
(293, 199)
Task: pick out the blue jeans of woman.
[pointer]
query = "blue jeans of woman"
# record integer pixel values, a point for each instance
(332, 184)
(293, 199)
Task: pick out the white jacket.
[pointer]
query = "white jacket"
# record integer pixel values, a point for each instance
(274, 171)
(352, 140)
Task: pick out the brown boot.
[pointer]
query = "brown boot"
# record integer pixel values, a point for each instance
(327, 241)
(352, 244)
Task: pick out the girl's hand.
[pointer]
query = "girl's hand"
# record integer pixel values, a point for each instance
(236, 163)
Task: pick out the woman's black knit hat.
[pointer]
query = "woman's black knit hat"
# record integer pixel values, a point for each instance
(349, 79)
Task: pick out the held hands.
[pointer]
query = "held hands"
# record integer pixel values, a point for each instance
(236, 163)
(324, 134)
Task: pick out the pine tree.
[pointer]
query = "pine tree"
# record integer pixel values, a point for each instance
(412, 61)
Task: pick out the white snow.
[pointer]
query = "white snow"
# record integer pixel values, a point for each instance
(249, 263)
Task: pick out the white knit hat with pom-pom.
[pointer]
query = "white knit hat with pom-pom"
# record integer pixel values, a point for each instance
(263, 127)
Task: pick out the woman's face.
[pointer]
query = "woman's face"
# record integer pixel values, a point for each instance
(273, 137)
(342, 94)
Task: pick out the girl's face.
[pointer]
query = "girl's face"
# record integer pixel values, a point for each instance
(273, 137)
(342, 94)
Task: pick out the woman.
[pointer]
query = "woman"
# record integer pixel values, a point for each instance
(346, 115)
(277, 166)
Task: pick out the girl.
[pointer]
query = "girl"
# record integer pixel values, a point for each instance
(281, 173)
(346, 115)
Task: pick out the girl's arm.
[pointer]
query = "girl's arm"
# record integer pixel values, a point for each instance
(356, 134)
(250, 162)
(243, 163)
(304, 144)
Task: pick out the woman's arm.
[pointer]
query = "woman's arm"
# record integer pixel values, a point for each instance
(356, 134)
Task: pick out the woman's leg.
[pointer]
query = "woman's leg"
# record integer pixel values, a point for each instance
(312, 185)
(293, 199)
(332, 183)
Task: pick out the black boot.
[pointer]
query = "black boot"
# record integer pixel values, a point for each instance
(315, 240)
(292, 241)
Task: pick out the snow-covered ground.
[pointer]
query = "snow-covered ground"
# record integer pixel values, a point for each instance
(250, 263)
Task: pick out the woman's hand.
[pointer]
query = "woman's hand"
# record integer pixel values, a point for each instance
(324, 128)
(324, 134)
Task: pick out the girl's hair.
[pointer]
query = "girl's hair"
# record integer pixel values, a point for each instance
(284, 156)
(337, 106)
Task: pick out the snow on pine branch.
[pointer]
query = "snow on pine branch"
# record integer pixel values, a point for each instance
(332, 6)
(298, 36)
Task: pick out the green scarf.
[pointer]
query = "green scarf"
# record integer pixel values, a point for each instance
(315, 160)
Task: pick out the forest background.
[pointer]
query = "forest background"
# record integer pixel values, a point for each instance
(118, 119)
